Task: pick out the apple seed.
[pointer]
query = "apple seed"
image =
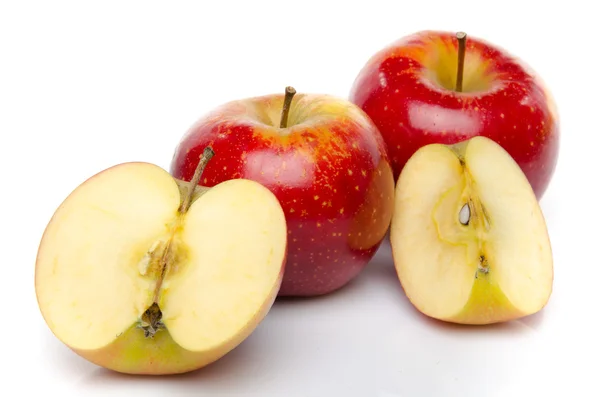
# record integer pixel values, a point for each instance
(464, 215)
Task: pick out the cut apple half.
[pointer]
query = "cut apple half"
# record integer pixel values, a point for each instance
(140, 275)
(469, 240)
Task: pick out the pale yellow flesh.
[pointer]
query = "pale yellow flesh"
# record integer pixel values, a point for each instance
(438, 259)
(237, 238)
(89, 282)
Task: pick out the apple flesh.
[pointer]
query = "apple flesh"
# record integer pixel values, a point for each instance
(327, 166)
(409, 91)
(132, 283)
(468, 237)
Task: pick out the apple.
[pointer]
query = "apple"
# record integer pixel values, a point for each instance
(468, 237)
(437, 87)
(143, 274)
(327, 164)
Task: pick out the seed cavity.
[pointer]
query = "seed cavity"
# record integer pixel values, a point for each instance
(144, 264)
(464, 215)
(148, 258)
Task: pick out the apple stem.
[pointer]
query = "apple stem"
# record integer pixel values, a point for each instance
(204, 159)
(151, 319)
(462, 39)
(164, 263)
(287, 102)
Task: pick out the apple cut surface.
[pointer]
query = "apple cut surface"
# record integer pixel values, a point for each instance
(87, 278)
(233, 265)
(468, 237)
(122, 276)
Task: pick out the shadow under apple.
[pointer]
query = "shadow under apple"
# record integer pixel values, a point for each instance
(61, 358)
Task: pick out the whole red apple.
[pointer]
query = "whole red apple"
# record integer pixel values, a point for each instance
(325, 161)
(426, 88)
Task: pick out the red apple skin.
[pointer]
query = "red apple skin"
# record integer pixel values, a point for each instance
(329, 169)
(407, 90)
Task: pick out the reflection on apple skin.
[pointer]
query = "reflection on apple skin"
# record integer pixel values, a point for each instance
(438, 119)
(288, 169)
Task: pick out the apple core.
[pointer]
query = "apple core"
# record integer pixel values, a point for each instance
(163, 256)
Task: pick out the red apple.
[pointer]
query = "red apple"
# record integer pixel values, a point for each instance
(409, 90)
(324, 160)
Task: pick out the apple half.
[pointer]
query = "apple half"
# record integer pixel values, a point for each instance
(144, 274)
(469, 240)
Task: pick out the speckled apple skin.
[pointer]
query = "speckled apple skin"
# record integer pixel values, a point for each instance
(329, 169)
(407, 90)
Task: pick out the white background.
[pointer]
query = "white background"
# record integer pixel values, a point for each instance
(86, 85)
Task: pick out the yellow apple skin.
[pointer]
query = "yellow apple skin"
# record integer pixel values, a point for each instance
(133, 353)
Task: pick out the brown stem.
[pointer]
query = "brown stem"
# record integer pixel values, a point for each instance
(164, 263)
(187, 201)
(462, 39)
(287, 101)
(152, 317)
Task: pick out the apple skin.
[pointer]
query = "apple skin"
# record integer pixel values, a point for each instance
(407, 90)
(329, 169)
